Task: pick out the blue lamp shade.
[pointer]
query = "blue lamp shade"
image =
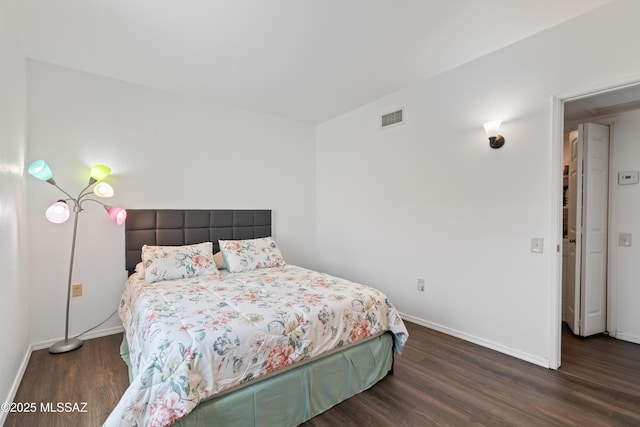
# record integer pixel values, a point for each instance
(58, 212)
(117, 215)
(41, 170)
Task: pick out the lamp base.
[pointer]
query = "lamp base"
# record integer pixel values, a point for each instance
(65, 346)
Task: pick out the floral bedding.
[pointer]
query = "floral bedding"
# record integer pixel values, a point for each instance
(190, 339)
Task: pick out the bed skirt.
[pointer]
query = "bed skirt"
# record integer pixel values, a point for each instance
(295, 396)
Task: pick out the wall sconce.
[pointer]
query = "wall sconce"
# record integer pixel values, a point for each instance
(495, 140)
(60, 211)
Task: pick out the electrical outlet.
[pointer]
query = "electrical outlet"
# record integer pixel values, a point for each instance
(420, 284)
(76, 290)
(624, 239)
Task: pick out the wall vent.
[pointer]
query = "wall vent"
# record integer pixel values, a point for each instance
(391, 119)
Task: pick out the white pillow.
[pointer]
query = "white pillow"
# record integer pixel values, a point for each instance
(177, 262)
(247, 255)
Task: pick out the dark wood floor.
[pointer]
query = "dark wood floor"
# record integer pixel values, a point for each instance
(94, 374)
(439, 380)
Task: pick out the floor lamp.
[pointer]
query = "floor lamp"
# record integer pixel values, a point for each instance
(59, 212)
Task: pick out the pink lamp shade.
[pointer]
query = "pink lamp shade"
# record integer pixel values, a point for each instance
(117, 215)
(58, 212)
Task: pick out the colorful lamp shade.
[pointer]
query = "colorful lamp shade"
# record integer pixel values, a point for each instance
(117, 215)
(58, 212)
(99, 172)
(41, 170)
(102, 189)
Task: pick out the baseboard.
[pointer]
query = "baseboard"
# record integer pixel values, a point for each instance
(89, 335)
(478, 340)
(628, 337)
(16, 383)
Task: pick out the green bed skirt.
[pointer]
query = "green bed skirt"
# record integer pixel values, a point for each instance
(297, 395)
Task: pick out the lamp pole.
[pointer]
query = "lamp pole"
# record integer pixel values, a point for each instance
(73, 343)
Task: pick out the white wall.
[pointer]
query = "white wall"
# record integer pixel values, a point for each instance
(165, 152)
(14, 310)
(625, 213)
(430, 198)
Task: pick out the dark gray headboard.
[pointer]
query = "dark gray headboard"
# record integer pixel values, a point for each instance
(184, 227)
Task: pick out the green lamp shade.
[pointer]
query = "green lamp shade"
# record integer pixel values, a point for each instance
(99, 172)
(41, 170)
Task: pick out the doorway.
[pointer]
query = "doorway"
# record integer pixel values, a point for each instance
(600, 106)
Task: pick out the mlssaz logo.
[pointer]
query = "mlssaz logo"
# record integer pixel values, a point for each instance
(80, 407)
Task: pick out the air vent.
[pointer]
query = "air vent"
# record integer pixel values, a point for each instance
(391, 119)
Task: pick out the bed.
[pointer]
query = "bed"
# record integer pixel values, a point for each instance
(257, 342)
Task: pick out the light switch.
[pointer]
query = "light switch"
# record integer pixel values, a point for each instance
(537, 243)
(624, 239)
(626, 178)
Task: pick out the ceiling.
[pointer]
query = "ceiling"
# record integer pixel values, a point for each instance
(301, 59)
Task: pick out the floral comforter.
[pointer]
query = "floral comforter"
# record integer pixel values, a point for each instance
(190, 339)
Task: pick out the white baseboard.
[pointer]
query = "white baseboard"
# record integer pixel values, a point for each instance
(628, 337)
(93, 334)
(16, 383)
(536, 360)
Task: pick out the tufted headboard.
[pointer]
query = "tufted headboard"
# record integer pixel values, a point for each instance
(184, 227)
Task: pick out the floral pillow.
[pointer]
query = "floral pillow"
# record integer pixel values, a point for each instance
(247, 255)
(177, 262)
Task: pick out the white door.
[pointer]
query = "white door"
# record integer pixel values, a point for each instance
(574, 224)
(595, 201)
(587, 229)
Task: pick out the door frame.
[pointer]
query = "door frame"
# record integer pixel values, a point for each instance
(557, 162)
